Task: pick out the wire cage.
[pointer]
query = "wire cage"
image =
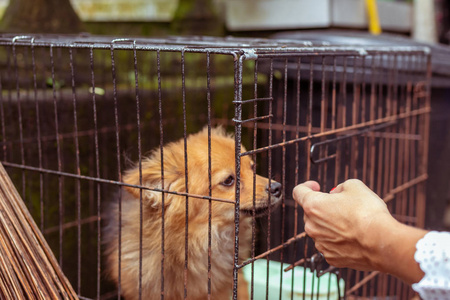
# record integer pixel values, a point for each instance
(77, 112)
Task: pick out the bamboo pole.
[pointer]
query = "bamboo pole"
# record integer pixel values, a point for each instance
(29, 269)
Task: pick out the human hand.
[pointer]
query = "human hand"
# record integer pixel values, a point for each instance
(346, 223)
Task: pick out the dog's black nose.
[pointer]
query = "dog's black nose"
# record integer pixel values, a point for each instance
(274, 189)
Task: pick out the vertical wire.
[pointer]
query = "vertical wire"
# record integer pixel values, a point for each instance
(208, 98)
(2, 115)
(39, 141)
(9, 97)
(345, 159)
(416, 163)
(333, 96)
(340, 118)
(371, 116)
(393, 181)
(237, 149)
(399, 149)
(297, 155)
(344, 93)
(19, 115)
(326, 117)
(354, 153)
(415, 147)
(334, 121)
(161, 149)
(354, 140)
(373, 290)
(138, 125)
(305, 255)
(387, 141)
(372, 145)
(283, 169)
(344, 116)
(78, 172)
(323, 122)
(379, 114)
(408, 195)
(363, 119)
(42, 85)
(406, 146)
(238, 69)
(26, 68)
(308, 142)
(405, 293)
(321, 168)
(58, 149)
(27, 87)
(390, 148)
(308, 158)
(309, 119)
(426, 135)
(269, 163)
(119, 173)
(186, 243)
(338, 277)
(255, 132)
(384, 282)
(328, 287)
(412, 96)
(405, 142)
(97, 168)
(409, 144)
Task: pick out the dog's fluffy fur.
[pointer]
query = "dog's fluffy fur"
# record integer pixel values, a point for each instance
(223, 216)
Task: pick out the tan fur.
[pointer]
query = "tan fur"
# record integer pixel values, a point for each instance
(222, 231)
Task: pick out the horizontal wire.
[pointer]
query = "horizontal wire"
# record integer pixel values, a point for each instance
(362, 282)
(269, 49)
(416, 112)
(391, 194)
(71, 224)
(113, 182)
(273, 250)
(252, 100)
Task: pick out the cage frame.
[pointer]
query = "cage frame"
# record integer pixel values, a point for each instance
(241, 50)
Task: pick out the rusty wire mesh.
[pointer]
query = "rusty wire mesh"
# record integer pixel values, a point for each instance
(75, 111)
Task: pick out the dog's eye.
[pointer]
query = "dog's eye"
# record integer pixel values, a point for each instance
(229, 181)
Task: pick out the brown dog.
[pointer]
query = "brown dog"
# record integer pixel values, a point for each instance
(223, 180)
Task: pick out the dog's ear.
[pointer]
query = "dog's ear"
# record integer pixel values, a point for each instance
(219, 130)
(151, 177)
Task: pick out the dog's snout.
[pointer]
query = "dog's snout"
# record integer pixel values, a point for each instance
(274, 189)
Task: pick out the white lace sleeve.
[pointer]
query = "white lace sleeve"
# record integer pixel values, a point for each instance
(433, 256)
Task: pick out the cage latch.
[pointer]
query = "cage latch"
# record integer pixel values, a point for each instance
(315, 263)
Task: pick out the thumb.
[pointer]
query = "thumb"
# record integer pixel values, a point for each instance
(301, 190)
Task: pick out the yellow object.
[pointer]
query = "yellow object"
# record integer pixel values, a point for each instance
(374, 20)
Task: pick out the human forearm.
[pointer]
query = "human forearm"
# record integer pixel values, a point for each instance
(394, 250)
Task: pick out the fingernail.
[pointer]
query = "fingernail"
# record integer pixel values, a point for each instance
(332, 189)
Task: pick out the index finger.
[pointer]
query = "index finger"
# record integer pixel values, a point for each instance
(301, 190)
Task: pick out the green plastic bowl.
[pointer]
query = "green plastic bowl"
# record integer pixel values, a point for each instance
(304, 282)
